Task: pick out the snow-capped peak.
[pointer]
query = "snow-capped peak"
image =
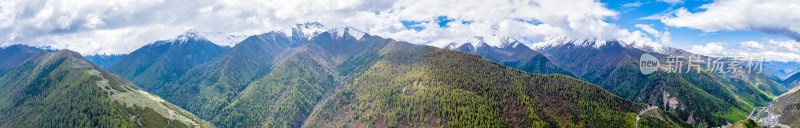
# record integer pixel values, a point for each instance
(597, 43)
(491, 40)
(340, 31)
(650, 46)
(215, 37)
(306, 30)
(496, 41)
(451, 45)
(552, 42)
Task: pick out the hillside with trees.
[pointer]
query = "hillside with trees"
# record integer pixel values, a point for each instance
(62, 89)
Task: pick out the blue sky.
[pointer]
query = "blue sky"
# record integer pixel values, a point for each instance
(719, 27)
(682, 37)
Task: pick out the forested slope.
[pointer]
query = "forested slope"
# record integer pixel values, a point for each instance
(62, 89)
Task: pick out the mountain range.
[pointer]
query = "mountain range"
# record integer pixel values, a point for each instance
(509, 52)
(301, 76)
(309, 75)
(701, 98)
(161, 62)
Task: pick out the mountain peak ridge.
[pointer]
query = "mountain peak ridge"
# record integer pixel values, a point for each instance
(341, 30)
(598, 43)
(496, 41)
(218, 38)
(306, 30)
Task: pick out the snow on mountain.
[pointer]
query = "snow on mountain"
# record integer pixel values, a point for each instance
(491, 40)
(340, 31)
(651, 46)
(451, 45)
(597, 43)
(497, 41)
(306, 30)
(554, 42)
(215, 37)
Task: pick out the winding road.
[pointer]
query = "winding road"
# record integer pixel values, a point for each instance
(644, 111)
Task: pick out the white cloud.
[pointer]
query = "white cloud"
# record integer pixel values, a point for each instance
(710, 49)
(785, 46)
(778, 17)
(634, 4)
(772, 50)
(751, 45)
(121, 26)
(671, 1)
(664, 37)
(648, 29)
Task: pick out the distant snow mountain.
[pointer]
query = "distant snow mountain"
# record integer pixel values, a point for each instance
(306, 30)
(596, 43)
(216, 37)
(509, 52)
(481, 41)
(341, 31)
(506, 42)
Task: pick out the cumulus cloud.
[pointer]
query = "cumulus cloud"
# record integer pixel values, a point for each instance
(664, 37)
(778, 17)
(710, 49)
(771, 50)
(121, 26)
(751, 45)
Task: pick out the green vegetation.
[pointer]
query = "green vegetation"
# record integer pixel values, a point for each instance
(711, 99)
(334, 81)
(748, 123)
(662, 119)
(208, 88)
(283, 98)
(162, 62)
(61, 90)
(427, 87)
